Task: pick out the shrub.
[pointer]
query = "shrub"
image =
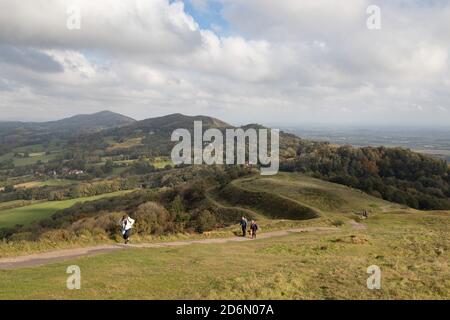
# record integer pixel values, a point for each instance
(205, 221)
(57, 235)
(337, 223)
(152, 218)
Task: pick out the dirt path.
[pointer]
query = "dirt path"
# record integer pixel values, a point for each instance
(357, 225)
(66, 254)
(61, 255)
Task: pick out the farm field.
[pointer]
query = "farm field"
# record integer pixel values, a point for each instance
(31, 159)
(28, 214)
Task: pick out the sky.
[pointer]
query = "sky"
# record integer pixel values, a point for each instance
(243, 61)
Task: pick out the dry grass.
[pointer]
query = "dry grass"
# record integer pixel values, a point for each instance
(411, 250)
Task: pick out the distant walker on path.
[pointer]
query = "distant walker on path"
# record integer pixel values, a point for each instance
(243, 224)
(253, 228)
(365, 214)
(126, 223)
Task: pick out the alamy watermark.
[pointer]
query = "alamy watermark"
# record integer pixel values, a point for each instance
(374, 280)
(74, 280)
(235, 147)
(73, 21)
(373, 21)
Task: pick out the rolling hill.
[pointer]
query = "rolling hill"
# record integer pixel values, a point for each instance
(15, 134)
(395, 174)
(87, 122)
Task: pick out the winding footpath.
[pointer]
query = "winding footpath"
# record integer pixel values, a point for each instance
(39, 259)
(45, 258)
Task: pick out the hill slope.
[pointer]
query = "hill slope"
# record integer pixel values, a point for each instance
(395, 174)
(323, 196)
(13, 134)
(95, 121)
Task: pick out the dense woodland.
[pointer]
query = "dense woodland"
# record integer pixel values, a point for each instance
(394, 174)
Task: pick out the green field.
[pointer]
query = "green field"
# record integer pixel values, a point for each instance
(133, 142)
(15, 204)
(161, 162)
(45, 183)
(32, 159)
(28, 214)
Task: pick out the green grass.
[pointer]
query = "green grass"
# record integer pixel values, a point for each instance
(34, 158)
(160, 163)
(133, 142)
(15, 204)
(36, 153)
(28, 214)
(322, 195)
(31, 148)
(50, 183)
(267, 203)
(6, 156)
(410, 249)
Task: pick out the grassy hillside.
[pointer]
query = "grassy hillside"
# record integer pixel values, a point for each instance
(267, 203)
(28, 214)
(318, 194)
(411, 250)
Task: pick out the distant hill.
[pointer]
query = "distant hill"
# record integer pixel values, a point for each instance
(394, 174)
(165, 125)
(95, 121)
(16, 133)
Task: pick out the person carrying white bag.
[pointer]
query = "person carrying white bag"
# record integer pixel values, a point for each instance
(126, 223)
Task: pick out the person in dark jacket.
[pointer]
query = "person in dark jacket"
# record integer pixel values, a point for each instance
(253, 228)
(243, 224)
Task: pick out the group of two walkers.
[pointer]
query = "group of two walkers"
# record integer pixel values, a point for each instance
(253, 227)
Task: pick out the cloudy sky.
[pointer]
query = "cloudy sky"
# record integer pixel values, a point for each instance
(263, 61)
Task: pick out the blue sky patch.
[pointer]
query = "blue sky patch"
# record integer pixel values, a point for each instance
(209, 17)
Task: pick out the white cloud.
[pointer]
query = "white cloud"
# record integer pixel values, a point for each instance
(296, 60)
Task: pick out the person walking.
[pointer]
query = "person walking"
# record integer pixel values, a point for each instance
(253, 228)
(243, 224)
(365, 214)
(126, 223)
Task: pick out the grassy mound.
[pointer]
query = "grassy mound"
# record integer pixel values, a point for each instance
(322, 195)
(269, 204)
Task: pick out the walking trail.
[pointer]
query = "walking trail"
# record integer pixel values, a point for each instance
(38, 259)
(61, 255)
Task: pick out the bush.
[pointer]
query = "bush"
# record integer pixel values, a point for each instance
(337, 223)
(152, 218)
(205, 221)
(22, 236)
(57, 235)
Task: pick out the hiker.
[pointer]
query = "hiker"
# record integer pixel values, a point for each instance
(253, 228)
(243, 224)
(365, 214)
(126, 223)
